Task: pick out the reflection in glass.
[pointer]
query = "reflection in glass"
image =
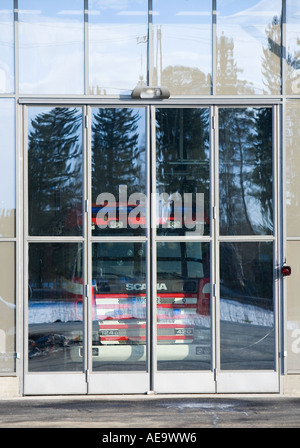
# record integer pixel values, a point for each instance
(246, 306)
(183, 306)
(7, 308)
(119, 306)
(118, 171)
(55, 310)
(7, 46)
(7, 168)
(118, 39)
(182, 171)
(245, 171)
(55, 171)
(292, 168)
(182, 46)
(248, 47)
(292, 61)
(51, 46)
(293, 308)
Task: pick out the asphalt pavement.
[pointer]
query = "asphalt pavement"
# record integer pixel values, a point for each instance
(150, 415)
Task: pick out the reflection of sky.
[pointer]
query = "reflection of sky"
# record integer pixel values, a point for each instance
(246, 23)
(6, 47)
(52, 40)
(51, 46)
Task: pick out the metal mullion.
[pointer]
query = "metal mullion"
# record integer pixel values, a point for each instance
(247, 238)
(215, 291)
(148, 250)
(86, 48)
(25, 244)
(152, 244)
(86, 244)
(214, 47)
(276, 219)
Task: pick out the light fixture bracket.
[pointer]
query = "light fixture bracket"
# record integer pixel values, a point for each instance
(148, 92)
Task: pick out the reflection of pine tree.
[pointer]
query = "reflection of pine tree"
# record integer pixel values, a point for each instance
(182, 148)
(245, 145)
(187, 80)
(228, 82)
(262, 173)
(115, 152)
(54, 171)
(235, 138)
(271, 69)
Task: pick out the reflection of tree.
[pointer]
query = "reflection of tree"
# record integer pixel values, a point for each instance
(245, 152)
(116, 158)
(54, 171)
(188, 80)
(227, 71)
(7, 222)
(182, 148)
(271, 58)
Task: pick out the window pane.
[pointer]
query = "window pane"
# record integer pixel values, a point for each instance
(6, 46)
(245, 171)
(55, 171)
(118, 39)
(293, 47)
(182, 46)
(293, 168)
(7, 168)
(119, 314)
(182, 171)
(7, 308)
(55, 312)
(51, 39)
(119, 171)
(248, 47)
(246, 306)
(183, 306)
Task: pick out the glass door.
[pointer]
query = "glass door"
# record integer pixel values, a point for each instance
(87, 250)
(151, 241)
(216, 245)
(183, 245)
(54, 251)
(119, 251)
(247, 235)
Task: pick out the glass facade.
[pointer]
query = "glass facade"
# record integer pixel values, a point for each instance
(95, 50)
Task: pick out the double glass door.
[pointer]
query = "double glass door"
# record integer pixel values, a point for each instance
(151, 240)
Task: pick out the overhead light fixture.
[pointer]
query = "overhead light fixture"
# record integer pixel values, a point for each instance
(147, 92)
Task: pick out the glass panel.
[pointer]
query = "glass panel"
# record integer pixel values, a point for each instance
(183, 306)
(293, 47)
(7, 168)
(7, 46)
(246, 306)
(293, 307)
(55, 171)
(182, 46)
(55, 314)
(245, 171)
(248, 47)
(119, 171)
(51, 46)
(118, 39)
(119, 306)
(7, 308)
(293, 168)
(182, 171)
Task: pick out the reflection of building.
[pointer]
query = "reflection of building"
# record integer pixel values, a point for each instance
(209, 310)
